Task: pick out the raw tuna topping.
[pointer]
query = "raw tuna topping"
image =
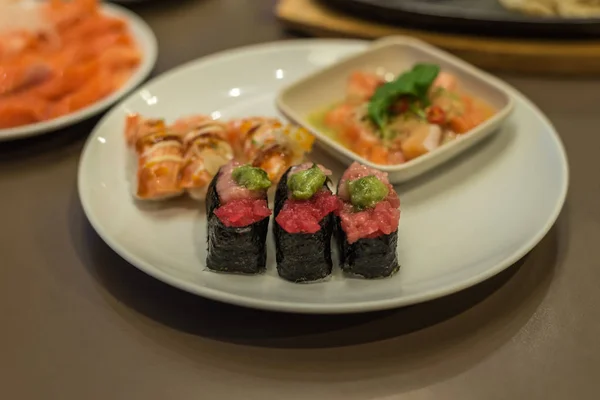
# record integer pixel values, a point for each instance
(304, 216)
(243, 212)
(383, 219)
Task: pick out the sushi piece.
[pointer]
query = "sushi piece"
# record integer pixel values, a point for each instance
(237, 219)
(367, 223)
(247, 133)
(303, 226)
(268, 144)
(159, 158)
(206, 150)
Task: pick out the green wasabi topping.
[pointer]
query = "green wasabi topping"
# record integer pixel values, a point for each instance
(367, 192)
(305, 184)
(251, 177)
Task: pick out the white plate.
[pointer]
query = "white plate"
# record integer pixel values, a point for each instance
(145, 39)
(460, 224)
(394, 54)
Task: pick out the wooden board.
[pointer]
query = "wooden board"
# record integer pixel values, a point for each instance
(575, 58)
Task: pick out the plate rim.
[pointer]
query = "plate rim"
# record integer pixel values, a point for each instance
(323, 308)
(144, 69)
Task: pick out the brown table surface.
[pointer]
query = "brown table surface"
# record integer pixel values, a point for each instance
(81, 323)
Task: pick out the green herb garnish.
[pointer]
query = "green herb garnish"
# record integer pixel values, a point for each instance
(367, 192)
(414, 83)
(305, 184)
(417, 110)
(251, 177)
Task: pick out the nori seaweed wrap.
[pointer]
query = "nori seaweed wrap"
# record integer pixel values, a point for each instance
(235, 249)
(303, 255)
(369, 248)
(369, 257)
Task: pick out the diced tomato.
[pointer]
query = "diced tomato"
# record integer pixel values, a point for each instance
(304, 216)
(243, 212)
(436, 115)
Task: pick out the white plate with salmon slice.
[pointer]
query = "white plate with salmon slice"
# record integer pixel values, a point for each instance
(91, 55)
(461, 223)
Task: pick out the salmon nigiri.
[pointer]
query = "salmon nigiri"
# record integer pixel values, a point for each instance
(206, 149)
(268, 144)
(160, 158)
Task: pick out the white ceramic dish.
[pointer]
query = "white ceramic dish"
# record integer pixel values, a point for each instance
(394, 55)
(470, 220)
(146, 41)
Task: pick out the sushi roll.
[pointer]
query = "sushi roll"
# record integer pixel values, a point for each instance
(237, 219)
(367, 223)
(304, 207)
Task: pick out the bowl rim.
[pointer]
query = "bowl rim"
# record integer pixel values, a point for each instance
(390, 42)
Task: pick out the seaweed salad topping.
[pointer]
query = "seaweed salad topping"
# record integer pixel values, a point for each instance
(304, 184)
(366, 192)
(251, 178)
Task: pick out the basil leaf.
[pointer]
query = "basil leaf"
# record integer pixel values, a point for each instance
(414, 83)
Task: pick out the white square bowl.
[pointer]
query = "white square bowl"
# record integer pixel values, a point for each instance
(394, 54)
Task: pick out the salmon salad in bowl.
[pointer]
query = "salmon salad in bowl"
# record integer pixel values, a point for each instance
(401, 106)
(391, 122)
